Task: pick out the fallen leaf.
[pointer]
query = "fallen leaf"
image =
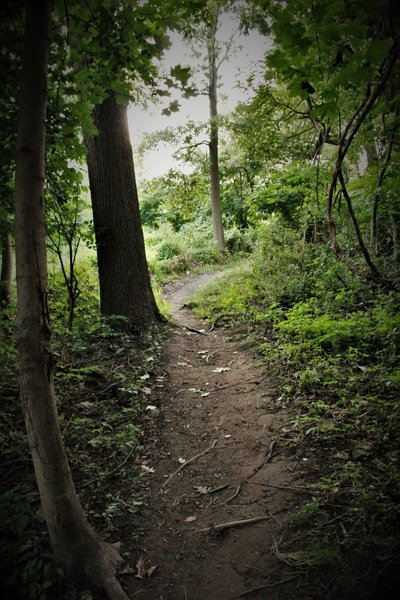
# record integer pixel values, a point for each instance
(201, 489)
(141, 570)
(221, 369)
(146, 390)
(147, 469)
(151, 570)
(204, 395)
(190, 519)
(127, 570)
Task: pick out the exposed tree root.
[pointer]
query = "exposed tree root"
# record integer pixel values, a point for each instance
(97, 564)
(190, 460)
(192, 329)
(221, 526)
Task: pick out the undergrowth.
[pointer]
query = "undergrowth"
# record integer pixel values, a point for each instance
(107, 397)
(192, 249)
(334, 340)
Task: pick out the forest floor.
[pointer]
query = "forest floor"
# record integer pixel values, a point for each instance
(215, 462)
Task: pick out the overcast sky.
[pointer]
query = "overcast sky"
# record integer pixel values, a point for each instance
(249, 50)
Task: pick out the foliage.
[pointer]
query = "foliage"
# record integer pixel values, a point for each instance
(171, 253)
(36, 572)
(335, 343)
(330, 333)
(291, 190)
(176, 198)
(103, 390)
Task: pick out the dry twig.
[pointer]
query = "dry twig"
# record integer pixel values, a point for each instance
(233, 495)
(183, 465)
(218, 489)
(192, 329)
(288, 488)
(271, 449)
(222, 526)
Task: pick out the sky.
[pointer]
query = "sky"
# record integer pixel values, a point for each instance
(246, 54)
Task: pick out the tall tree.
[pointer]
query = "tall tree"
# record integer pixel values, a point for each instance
(202, 29)
(213, 67)
(125, 287)
(217, 54)
(338, 61)
(83, 553)
(11, 29)
(121, 40)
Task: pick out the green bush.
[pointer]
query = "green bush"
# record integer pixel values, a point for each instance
(167, 250)
(334, 339)
(171, 252)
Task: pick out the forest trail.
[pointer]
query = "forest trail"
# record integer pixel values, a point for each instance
(216, 407)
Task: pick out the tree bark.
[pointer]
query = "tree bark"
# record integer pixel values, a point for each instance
(75, 544)
(378, 191)
(218, 230)
(350, 131)
(125, 288)
(360, 240)
(6, 271)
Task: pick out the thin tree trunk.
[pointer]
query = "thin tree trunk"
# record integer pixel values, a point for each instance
(125, 287)
(218, 231)
(6, 271)
(350, 131)
(78, 547)
(378, 191)
(363, 248)
(395, 237)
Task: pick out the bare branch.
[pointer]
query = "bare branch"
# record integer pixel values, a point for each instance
(228, 46)
(351, 129)
(187, 462)
(363, 248)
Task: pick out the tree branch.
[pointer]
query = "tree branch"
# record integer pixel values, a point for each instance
(351, 129)
(363, 248)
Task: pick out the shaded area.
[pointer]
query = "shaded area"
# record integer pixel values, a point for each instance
(218, 398)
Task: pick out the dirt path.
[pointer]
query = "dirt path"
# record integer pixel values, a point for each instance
(218, 401)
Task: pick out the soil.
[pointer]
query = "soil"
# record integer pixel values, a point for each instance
(214, 462)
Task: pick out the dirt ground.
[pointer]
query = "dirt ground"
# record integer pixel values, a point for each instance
(217, 463)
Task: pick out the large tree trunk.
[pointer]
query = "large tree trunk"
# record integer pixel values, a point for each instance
(6, 271)
(218, 231)
(78, 547)
(125, 287)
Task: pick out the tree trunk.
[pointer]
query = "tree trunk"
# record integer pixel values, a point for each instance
(78, 547)
(360, 240)
(6, 271)
(378, 191)
(125, 287)
(218, 231)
